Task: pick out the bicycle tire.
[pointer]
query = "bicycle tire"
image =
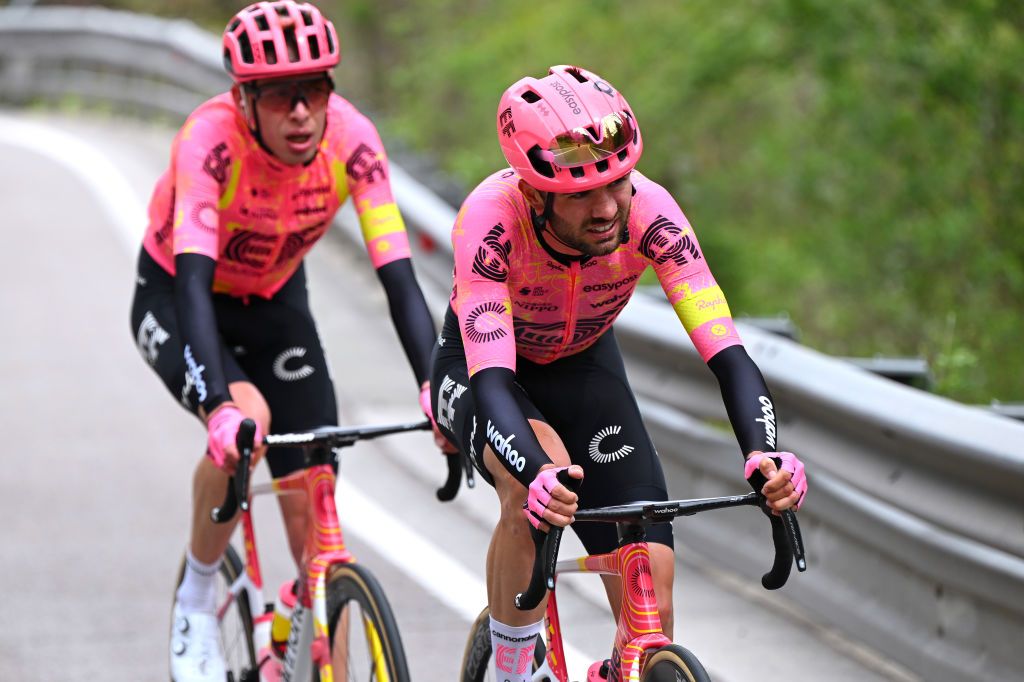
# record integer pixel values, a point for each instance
(674, 663)
(379, 655)
(478, 659)
(236, 626)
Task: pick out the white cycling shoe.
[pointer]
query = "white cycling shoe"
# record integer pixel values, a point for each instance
(195, 648)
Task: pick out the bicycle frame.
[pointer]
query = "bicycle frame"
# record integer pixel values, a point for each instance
(638, 632)
(324, 548)
(324, 545)
(639, 625)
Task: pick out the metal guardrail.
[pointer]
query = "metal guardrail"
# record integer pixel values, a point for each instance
(915, 521)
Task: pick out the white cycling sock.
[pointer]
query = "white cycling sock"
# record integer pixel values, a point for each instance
(198, 589)
(513, 650)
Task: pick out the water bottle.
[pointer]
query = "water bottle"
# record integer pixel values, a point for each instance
(281, 626)
(261, 630)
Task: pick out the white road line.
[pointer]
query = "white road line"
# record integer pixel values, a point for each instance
(104, 179)
(434, 570)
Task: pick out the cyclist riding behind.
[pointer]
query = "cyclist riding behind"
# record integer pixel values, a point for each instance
(221, 311)
(528, 378)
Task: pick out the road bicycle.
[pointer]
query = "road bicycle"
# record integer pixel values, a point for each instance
(342, 627)
(640, 651)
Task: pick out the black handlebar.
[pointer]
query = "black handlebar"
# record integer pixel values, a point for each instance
(543, 577)
(333, 437)
(785, 536)
(457, 464)
(238, 486)
(450, 489)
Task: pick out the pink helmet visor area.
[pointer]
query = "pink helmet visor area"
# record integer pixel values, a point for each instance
(568, 132)
(276, 39)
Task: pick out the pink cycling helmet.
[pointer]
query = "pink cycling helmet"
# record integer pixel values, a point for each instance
(568, 132)
(283, 38)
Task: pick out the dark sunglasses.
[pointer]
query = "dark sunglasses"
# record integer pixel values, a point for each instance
(282, 97)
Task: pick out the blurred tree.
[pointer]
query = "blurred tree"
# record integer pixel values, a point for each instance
(856, 164)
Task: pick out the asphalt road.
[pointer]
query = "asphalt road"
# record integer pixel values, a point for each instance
(96, 481)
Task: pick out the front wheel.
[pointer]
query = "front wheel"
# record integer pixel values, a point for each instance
(478, 661)
(673, 663)
(365, 644)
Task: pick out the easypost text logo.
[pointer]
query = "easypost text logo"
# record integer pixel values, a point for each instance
(768, 420)
(503, 447)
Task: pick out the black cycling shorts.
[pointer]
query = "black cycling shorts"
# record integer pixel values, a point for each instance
(272, 344)
(587, 400)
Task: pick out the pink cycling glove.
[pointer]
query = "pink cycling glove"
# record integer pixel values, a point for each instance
(540, 495)
(425, 403)
(222, 428)
(785, 461)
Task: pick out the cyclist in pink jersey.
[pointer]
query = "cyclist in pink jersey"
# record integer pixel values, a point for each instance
(528, 379)
(221, 311)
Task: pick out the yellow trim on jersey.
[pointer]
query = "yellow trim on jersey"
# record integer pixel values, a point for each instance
(694, 309)
(340, 180)
(380, 220)
(232, 188)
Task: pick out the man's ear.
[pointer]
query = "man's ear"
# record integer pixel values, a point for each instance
(533, 197)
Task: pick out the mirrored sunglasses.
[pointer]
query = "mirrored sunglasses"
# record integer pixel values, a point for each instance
(586, 145)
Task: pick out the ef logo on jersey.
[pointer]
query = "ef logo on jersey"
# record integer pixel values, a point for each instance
(446, 404)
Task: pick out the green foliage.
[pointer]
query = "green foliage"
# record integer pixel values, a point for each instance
(856, 164)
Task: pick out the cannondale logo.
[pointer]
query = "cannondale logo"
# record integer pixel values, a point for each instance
(485, 323)
(285, 374)
(602, 457)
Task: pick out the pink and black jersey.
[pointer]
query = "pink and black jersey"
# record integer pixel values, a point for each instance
(225, 197)
(513, 295)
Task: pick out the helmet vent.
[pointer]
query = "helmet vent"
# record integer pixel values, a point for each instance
(577, 171)
(246, 45)
(623, 153)
(261, 22)
(330, 43)
(314, 47)
(540, 165)
(307, 17)
(269, 52)
(233, 25)
(577, 74)
(601, 166)
(531, 96)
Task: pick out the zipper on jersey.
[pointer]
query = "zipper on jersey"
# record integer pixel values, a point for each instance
(570, 322)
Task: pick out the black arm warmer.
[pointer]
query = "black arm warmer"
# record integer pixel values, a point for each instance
(507, 430)
(409, 314)
(747, 400)
(193, 281)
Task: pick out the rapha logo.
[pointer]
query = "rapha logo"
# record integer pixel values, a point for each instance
(285, 374)
(602, 457)
(768, 420)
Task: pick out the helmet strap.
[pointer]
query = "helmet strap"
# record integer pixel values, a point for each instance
(540, 221)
